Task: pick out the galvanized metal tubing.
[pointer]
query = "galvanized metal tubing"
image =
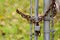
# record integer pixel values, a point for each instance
(46, 21)
(30, 21)
(36, 18)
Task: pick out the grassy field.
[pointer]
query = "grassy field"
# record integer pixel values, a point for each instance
(14, 27)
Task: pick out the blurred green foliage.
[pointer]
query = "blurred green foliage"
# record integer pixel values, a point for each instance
(13, 26)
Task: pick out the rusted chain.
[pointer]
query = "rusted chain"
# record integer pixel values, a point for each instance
(54, 8)
(51, 7)
(40, 18)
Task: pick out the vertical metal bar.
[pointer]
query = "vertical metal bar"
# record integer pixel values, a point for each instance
(52, 23)
(36, 10)
(36, 17)
(30, 31)
(52, 26)
(36, 37)
(31, 8)
(46, 22)
(30, 21)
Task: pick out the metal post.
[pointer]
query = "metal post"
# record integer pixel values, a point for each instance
(46, 21)
(36, 20)
(30, 21)
(52, 28)
(52, 24)
(36, 10)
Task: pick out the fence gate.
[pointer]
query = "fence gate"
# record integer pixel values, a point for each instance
(49, 12)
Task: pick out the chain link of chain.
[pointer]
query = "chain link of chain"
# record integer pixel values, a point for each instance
(40, 18)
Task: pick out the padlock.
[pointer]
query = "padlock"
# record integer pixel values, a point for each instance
(37, 28)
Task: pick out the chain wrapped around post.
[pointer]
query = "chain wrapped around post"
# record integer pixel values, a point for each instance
(40, 18)
(53, 5)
